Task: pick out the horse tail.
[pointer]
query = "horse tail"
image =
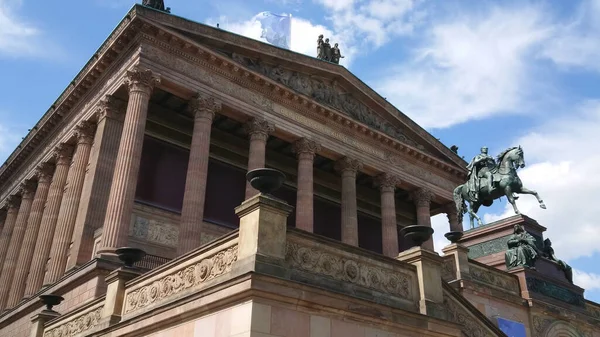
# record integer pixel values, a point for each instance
(459, 201)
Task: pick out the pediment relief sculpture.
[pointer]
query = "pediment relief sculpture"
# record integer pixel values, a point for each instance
(327, 94)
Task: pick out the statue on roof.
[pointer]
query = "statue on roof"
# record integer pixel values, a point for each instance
(548, 252)
(522, 251)
(156, 4)
(336, 54)
(490, 179)
(326, 52)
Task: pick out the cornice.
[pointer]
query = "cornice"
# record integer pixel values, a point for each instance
(222, 65)
(87, 77)
(288, 56)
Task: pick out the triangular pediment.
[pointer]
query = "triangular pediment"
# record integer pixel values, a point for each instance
(326, 83)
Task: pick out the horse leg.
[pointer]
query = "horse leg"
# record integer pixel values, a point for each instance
(509, 195)
(525, 190)
(471, 216)
(475, 210)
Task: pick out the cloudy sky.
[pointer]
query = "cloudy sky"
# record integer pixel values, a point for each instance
(472, 73)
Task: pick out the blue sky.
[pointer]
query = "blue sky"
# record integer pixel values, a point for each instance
(472, 73)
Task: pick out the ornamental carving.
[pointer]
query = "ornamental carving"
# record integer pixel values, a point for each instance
(13, 202)
(153, 230)
(346, 164)
(417, 171)
(555, 291)
(306, 146)
(421, 197)
(204, 106)
(471, 326)
(110, 107)
(77, 326)
(63, 153)
(387, 181)
(259, 128)
(191, 277)
(44, 172)
(27, 189)
(142, 80)
(84, 132)
(495, 279)
(345, 269)
(449, 269)
(328, 93)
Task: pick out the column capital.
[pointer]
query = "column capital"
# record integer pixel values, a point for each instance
(63, 153)
(27, 189)
(43, 172)
(259, 128)
(347, 164)
(306, 146)
(13, 202)
(387, 182)
(204, 106)
(421, 197)
(84, 132)
(110, 107)
(138, 79)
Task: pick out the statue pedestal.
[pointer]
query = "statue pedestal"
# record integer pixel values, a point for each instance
(536, 285)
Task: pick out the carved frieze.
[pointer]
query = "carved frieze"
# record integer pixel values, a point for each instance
(471, 326)
(494, 278)
(191, 277)
(329, 94)
(76, 326)
(555, 291)
(342, 268)
(449, 269)
(154, 230)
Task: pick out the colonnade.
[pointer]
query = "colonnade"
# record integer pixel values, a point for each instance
(44, 218)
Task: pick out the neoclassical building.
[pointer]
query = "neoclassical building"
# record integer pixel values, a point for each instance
(149, 148)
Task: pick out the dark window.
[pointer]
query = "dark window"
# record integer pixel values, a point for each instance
(161, 180)
(328, 218)
(369, 233)
(225, 190)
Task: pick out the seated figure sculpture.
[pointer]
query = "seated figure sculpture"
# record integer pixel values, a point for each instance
(522, 250)
(548, 252)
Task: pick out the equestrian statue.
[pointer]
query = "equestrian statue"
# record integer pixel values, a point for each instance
(490, 179)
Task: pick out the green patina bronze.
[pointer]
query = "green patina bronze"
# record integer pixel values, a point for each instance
(490, 179)
(555, 291)
(522, 249)
(548, 252)
(494, 246)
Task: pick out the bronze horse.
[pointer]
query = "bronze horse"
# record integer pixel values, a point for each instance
(505, 183)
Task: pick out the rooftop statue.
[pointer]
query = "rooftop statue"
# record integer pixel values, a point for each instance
(522, 251)
(548, 252)
(326, 52)
(156, 4)
(490, 179)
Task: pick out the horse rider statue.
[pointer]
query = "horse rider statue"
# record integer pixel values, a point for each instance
(482, 166)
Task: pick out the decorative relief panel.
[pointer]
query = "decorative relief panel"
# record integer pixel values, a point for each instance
(343, 268)
(191, 277)
(471, 326)
(449, 269)
(494, 278)
(555, 291)
(593, 310)
(77, 326)
(153, 230)
(551, 327)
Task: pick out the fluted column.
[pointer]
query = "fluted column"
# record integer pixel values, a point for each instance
(110, 113)
(422, 199)
(348, 169)
(70, 204)
(305, 150)
(44, 176)
(452, 214)
(389, 227)
(259, 131)
(203, 108)
(12, 204)
(41, 253)
(27, 191)
(122, 194)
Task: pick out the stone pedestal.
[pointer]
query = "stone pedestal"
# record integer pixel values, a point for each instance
(429, 271)
(38, 321)
(535, 285)
(461, 259)
(115, 293)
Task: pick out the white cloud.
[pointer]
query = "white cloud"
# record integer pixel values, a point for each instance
(440, 226)
(575, 43)
(471, 66)
(587, 281)
(565, 174)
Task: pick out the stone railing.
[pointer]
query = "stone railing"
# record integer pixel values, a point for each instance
(76, 323)
(182, 277)
(495, 278)
(333, 262)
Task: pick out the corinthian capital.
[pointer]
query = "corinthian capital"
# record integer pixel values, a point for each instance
(84, 132)
(387, 182)
(139, 79)
(63, 153)
(306, 146)
(204, 106)
(110, 107)
(27, 189)
(348, 165)
(13, 202)
(259, 128)
(421, 197)
(44, 172)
